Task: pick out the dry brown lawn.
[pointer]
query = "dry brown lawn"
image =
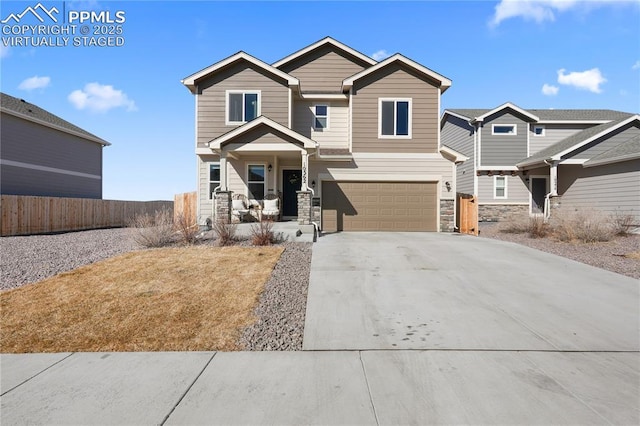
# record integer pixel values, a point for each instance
(170, 299)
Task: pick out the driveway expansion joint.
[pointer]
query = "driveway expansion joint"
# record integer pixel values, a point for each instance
(366, 379)
(37, 374)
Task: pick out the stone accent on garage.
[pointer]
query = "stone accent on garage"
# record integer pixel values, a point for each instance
(447, 217)
(502, 212)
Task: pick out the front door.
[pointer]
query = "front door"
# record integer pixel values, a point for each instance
(291, 183)
(538, 193)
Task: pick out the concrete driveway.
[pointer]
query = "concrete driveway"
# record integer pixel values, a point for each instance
(443, 291)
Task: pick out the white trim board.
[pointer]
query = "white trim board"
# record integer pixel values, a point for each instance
(48, 169)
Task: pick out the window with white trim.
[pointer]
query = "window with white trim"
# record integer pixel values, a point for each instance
(504, 129)
(538, 130)
(499, 187)
(320, 117)
(214, 178)
(256, 181)
(242, 106)
(394, 118)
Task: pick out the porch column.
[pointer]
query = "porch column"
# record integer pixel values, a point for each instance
(305, 171)
(223, 171)
(553, 178)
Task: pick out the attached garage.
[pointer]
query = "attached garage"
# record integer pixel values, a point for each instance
(379, 206)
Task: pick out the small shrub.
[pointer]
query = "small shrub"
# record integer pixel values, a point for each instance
(588, 226)
(622, 223)
(225, 232)
(153, 230)
(187, 230)
(262, 233)
(537, 227)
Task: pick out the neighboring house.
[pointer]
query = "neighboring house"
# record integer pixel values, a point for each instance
(349, 143)
(523, 162)
(44, 155)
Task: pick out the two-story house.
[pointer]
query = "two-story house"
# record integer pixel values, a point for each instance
(347, 142)
(524, 162)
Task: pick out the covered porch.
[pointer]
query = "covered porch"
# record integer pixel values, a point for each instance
(263, 160)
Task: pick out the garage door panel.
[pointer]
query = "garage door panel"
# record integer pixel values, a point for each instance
(379, 206)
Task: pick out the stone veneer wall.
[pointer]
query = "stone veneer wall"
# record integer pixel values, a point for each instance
(223, 206)
(304, 207)
(502, 212)
(447, 218)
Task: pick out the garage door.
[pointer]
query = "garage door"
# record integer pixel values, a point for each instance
(379, 206)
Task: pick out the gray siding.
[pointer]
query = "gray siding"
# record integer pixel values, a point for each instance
(336, 136)
(394, 81)
(323, 69)
(605, 143)
(503, 150)
(243, 76)
(517, 191)
(204, 203)
(40, 146)
(457, 134)
(553, 133)
(610, 188)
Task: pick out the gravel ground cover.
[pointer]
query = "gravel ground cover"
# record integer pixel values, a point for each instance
(36, 257)
(612, 255)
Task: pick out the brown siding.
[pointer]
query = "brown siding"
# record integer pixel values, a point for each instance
(242, 76)
(323, 69)
(395, 81)
(262, 135)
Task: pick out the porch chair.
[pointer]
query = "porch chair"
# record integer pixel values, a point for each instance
(239, 206)
(271, 207)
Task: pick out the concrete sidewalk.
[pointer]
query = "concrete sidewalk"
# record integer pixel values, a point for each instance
(347, 387)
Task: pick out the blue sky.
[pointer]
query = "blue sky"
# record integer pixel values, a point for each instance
(537, 54)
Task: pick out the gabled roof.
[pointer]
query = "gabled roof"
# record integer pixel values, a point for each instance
(628, 150)
(506, 105)
(27, 111)
(191, 80)
(575, 141)
(320, 43)
(588, 116)
(444, 82)
(305, 142)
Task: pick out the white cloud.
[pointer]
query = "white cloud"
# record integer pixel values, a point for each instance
(550, 90)
(34, 82)
(636, 66)
(542, 10)
(380, 55)
(587, 80)
(100, 98)
(4, 51)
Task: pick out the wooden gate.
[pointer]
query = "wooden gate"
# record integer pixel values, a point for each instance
(467, 214)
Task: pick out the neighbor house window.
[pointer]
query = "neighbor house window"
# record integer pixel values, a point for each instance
(321, 117)
(499, 187)
(504, 129)
(394, 118)
(242, 106)
(214, 178)
(538, 130)
(256, 181)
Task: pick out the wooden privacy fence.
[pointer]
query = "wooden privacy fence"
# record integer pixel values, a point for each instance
(467, 214)
(185, 204)
(24, 215)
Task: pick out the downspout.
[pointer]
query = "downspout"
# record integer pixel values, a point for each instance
(316, 226)
(553, 192)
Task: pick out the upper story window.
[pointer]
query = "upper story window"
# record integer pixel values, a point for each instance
(214, 178)
(242, 106)
(504, 129)
(394, 118)
(320, 117)
(538, 130)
